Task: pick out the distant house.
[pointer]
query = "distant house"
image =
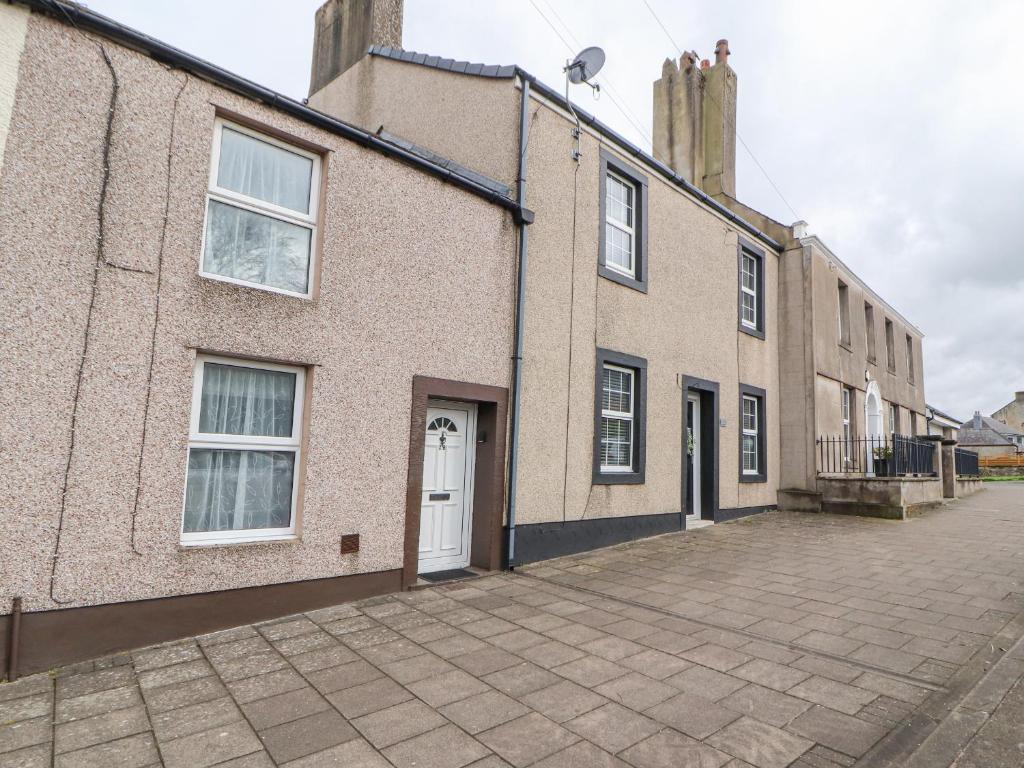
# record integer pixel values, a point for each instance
(941, 423)
(1012, 415)
(990, 437)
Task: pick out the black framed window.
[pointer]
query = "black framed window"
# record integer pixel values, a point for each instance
(751, 289)
(753, 458)
(622, 242)
(620, 418)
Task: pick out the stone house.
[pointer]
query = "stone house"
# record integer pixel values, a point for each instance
(989, 437)
(436, 318)
(1012, 415)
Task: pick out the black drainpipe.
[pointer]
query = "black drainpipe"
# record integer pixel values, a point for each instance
(517, 357)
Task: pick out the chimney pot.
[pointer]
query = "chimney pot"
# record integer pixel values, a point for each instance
(687, 60)
(722, 52)
(1018, 396)
(705, 64)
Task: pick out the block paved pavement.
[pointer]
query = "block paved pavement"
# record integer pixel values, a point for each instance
(779, 640)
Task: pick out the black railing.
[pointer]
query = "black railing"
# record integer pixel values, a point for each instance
(966, 463)
(882, 455)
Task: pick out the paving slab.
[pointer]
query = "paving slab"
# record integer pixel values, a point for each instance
(805, 640)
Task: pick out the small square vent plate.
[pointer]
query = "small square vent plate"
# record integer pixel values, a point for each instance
(349, 543)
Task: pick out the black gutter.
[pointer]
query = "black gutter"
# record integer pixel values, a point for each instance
(517, 358)
(84, 19)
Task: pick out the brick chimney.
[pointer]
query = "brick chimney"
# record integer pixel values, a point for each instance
(345, 29)
(695, 120)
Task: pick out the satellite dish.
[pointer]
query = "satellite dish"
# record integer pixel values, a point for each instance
(587, 63)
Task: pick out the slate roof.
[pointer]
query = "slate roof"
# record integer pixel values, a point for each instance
(984, 430)
(508, 71)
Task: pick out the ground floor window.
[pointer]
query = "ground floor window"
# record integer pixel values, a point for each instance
(753, 467)
(620, 418)
(847, 415)
(244, 445)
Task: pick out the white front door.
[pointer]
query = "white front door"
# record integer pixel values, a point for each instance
(446, 509)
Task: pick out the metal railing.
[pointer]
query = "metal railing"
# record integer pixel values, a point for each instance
(966, 463)
(880, 455)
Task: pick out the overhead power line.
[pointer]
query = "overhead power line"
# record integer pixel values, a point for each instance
(623, 110)
(749, 151)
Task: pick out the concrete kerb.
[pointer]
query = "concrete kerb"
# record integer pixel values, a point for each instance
(951, 716)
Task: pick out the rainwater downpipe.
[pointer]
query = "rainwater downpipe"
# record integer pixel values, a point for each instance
(517, 357)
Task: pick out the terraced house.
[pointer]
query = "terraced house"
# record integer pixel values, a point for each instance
(263, 356)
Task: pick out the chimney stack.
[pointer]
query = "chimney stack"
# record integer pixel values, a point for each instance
(1018, 396)
(345, 29)
(695, 120)
(977, 420)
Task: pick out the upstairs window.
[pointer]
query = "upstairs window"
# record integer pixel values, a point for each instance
(869, 330)
(622, 256)
(844, 314)
(619, 220)
(890, 347)
(261, 211)
(910, 358)
(243, 457)
(619, 418)
(751, 295)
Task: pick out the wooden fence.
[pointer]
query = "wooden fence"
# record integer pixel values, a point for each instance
(1002, 461)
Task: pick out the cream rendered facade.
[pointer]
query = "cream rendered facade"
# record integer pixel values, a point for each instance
(683, 323)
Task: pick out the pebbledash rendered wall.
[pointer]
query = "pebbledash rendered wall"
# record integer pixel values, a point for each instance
(416, 277)
(685, 325)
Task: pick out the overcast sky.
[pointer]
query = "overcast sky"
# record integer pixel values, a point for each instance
(893, 128)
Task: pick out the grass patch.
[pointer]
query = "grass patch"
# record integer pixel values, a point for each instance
(1006, 479)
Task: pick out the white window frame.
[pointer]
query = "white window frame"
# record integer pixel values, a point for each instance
(622, 226)
(197, 439)
(744, 258)
(262, 207)
(893, 414)
(846, 409)
(752, 432)
(622, 416)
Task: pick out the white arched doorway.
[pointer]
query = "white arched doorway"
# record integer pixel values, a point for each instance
(873, 428)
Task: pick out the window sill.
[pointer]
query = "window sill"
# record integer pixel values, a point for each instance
(891, 371)
(761, 478)
(846, 346)
(872, 361)
(757, 333)
(621, 279)
(214, 277)
(239, 542)
(618, 478)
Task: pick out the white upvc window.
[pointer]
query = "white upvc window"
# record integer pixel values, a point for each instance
(620, 218)
(748, 291)
(894, 418)
(261, 212)
(244, 447)
(617, 417)
(751, 429)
